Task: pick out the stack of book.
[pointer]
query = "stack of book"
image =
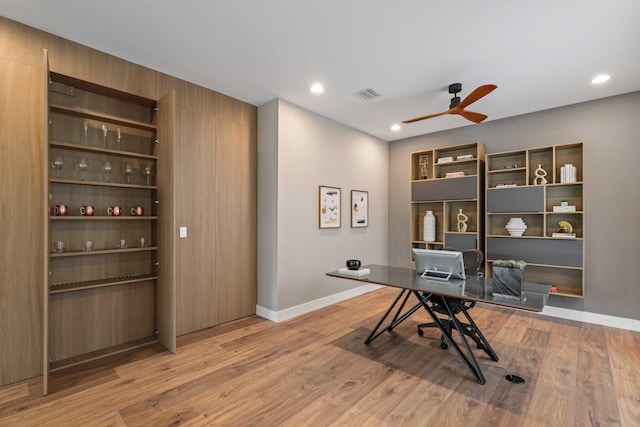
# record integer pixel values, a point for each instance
(506, 184)
(568, 173)
(356, 273)
(564, 235)
(445, 159)
(454, 174)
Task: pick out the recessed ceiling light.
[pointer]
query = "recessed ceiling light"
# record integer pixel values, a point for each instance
(601, 78)
(317, 88)
(396, 127)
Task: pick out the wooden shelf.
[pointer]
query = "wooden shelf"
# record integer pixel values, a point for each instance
(105, 300)
(101, 184)
(552, 260)
(99, 354)
(496, 171)
(447, 196)
(91, 149)
(72, 287)
(90, 114)
(103, 218)
(533, 237)
(514, 213)
(101, 252)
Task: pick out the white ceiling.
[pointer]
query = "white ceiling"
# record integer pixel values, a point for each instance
(541, 54)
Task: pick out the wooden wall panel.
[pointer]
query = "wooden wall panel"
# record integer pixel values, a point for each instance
(21, 210)
(99, 318)
(192, 201)
(235, 251)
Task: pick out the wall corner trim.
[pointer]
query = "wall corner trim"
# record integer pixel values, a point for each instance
(298, 310)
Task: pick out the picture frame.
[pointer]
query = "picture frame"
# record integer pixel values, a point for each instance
(359, 209)
(329, 206)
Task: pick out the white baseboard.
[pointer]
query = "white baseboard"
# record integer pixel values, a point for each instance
(291, 312)
(562, 313)
(595, 318)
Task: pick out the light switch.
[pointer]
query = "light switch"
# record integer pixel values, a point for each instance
(183, 232)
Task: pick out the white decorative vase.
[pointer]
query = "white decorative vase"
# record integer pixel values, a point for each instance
(429, 227)
(516, 226)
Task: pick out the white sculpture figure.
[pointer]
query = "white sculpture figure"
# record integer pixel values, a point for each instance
(540, 176)
(462, 221)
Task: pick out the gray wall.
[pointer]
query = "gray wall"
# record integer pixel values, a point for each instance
(610, 131)
(298, 151)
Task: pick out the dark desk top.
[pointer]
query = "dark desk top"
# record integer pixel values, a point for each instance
(534, 295)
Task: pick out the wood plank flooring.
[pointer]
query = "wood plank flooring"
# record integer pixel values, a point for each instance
(315, 370)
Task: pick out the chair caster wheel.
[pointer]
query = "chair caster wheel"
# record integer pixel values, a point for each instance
(420, 332)
(444, 346)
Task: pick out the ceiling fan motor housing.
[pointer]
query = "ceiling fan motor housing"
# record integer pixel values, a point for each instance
(455, 88)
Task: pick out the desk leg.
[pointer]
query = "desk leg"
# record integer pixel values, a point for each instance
(468, 358)
(374, 333)
(397, 318)
(476, 335)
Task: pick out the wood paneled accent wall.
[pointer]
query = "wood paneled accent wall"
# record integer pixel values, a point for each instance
(211, 190)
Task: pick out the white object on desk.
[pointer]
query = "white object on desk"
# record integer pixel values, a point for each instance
(357, 273)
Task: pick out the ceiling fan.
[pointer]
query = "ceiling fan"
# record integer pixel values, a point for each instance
(458, 107)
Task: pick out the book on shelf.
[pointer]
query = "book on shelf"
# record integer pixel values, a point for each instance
(564, 235)
(564, 208)
(445, 159)
(506, 184)
(465, 157)
(356, 273)
(568, 174)
(454, 174)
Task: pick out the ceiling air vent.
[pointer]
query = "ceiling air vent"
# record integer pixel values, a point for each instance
(367, 94)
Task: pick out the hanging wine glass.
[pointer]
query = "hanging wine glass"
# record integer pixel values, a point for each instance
(83, 166)
(104, 136)
(57, 163)
(107, 169)
(148, 172)
(128, 171)
(85, 131)
(119, 137)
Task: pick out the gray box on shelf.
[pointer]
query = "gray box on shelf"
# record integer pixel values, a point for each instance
(463, 188)
(518, 199)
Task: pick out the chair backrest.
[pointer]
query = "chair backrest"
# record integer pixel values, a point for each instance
(472, 259)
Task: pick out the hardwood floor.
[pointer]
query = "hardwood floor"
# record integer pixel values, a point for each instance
(315, 370)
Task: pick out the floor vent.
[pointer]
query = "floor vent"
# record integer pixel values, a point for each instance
(367, 94)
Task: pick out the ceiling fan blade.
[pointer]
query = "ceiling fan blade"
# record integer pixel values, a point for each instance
(417, 119)
(478, 93)
(471, 115)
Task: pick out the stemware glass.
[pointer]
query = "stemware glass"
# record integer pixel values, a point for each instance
(57, 163)
(128, 171)
(85, 131)
(107, 169)
(83, 166)
(119, 137)
(148, 172)
(104, 136)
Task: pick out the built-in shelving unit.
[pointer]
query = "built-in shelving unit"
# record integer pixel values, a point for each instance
(445, 181)
(552, 256)
(102, 228)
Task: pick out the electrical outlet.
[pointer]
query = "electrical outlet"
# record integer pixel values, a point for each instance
(183, 232)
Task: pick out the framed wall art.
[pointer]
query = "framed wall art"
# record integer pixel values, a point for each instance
(359, 208)
(329, 209)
